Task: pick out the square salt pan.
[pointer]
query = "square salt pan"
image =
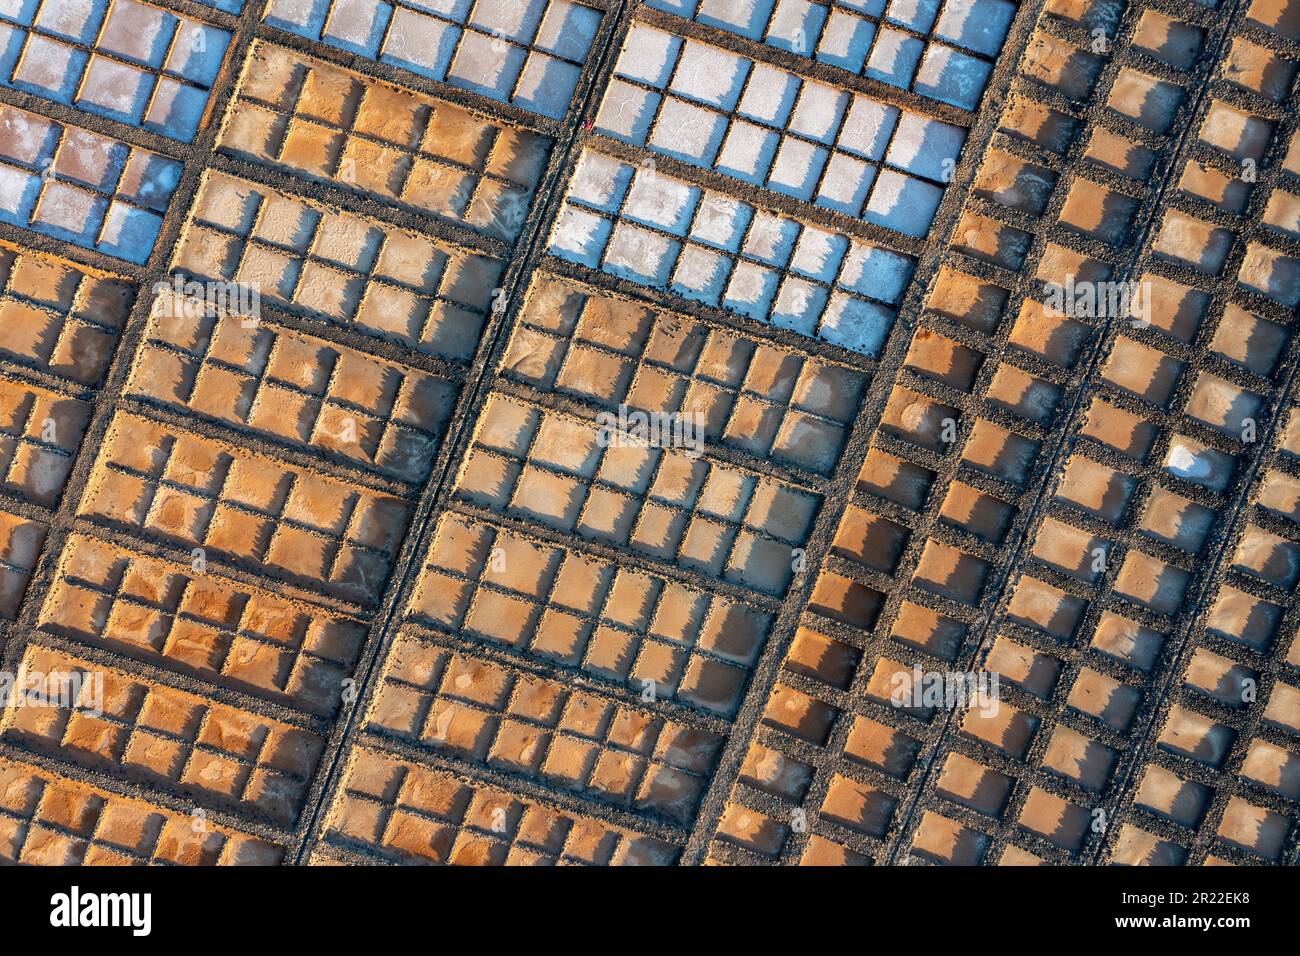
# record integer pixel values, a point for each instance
(77, 20)
(91, 160)
(856, 325)
(798, 305)
(649, 56)
(876, 272)
(49, 68)
(846, 42)
(115, 89)
(129, 232)
(568, 30)
(797, 169)
(627, 112)
(421, 44)
(70, 212)
(751, 290)
(486, 65)
(904, 204)
(175, 109)
(546, 85)
(659, 201)
(27, 138)
(819, 254)
(1271, 273)
(846, 185)
(916, 15)
(867, 128)
(18, 192)
(357, 25)
(137, 32)
(894, 58)
(701, 274)
(150, 180)
(197, 52)
(771, 238)
(303, 17)
(979, 25)
(950, 76)
(748, 152)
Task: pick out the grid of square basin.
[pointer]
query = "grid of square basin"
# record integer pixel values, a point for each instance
(528, 53)
(404, 148)
(415, 814)
(515, 721)
(616, 623)
(88, 189)
(335, 537)
(1120, 147)
(948, 470)
(1220, 784)
(123, 59)
(299, 388)
(665, 503)
(155, 610)
(332, 534)
(943, 51)
(49, 820)
(769, 401)
(655, 230)
(775, 129)
(358, 272)
(57, 317)
(154, 733)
